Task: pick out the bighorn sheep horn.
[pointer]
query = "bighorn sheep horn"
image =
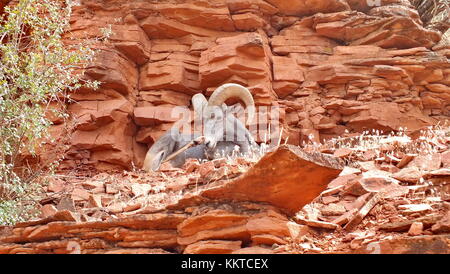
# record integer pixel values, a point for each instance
(160, 150)
(152, 161)
(226, 91)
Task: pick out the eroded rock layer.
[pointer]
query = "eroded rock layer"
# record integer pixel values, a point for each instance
(329, 66)
(229, 217)
(391, 199)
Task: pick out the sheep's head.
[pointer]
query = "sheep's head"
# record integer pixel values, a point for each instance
(219, 123)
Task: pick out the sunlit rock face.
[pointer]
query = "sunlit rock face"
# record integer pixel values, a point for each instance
(329, 66)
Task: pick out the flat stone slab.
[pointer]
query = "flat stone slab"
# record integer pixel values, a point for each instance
(287, 178)
(435, 244)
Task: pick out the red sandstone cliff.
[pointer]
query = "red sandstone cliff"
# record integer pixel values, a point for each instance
(329, 65)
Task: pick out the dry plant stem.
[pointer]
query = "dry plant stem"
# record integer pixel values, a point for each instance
(192, 143)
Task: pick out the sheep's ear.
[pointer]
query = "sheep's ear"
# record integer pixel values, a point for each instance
(224, 107)
(236, 109)
(158, 160)
(199, 102)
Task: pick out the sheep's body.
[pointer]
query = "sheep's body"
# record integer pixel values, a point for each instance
(201, 151)
(197, 152)
(223, 133)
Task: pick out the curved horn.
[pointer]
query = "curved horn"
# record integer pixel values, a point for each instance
(152, 160)
(160, 150)
(226, 91)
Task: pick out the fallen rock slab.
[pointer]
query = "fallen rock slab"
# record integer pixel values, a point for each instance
(253, 250)
(317, 224)
(355, 220)
(287, 178)
(213, 247)
(415, 208)
(135, 232)
(410, 245)
(443, 225)
(400, 226)
(415, 229)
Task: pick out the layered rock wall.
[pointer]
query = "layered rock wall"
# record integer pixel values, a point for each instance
(330, 66)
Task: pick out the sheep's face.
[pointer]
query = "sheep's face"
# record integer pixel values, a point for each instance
(221, 124)
(214, 125)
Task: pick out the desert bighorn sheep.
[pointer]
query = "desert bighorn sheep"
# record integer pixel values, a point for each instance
(223, 132)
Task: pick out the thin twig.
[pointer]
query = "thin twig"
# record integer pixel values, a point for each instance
(192, 143)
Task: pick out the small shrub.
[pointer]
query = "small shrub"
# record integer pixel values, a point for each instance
(36, 70)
